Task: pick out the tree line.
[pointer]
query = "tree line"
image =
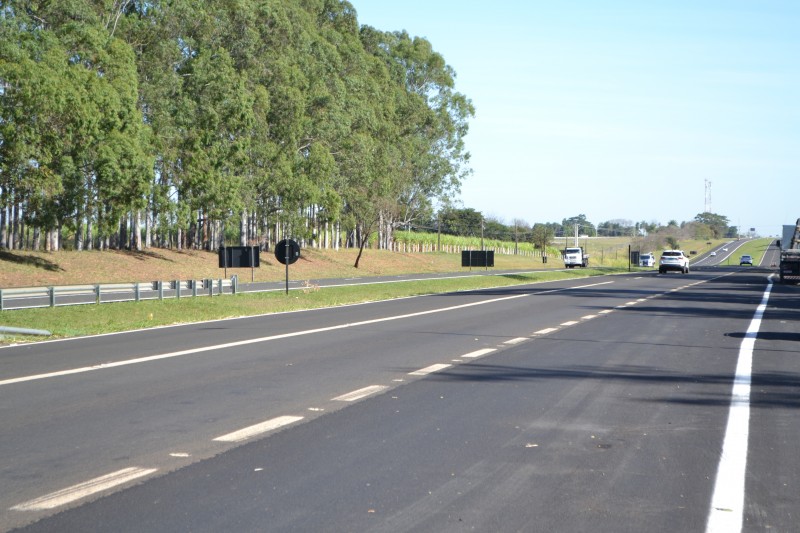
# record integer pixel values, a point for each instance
(184, 123)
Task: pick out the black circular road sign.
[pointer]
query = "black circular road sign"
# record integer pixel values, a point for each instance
(287, 251)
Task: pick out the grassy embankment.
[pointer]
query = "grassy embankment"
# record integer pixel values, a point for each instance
(27, 269)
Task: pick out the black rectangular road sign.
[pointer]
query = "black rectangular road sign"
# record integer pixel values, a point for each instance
(239, 257)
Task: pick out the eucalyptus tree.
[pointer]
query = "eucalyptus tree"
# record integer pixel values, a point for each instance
(33, 100)
(431, 118)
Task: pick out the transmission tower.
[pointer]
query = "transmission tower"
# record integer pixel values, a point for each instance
(708, 197)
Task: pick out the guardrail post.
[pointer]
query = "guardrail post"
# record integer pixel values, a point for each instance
(136, 292)
(1, 299)
(160, 290)
(52, 294)
(177, 288)
(194, 287)
(210, 284)
(97, 293)
(234, 284)
(219, 286)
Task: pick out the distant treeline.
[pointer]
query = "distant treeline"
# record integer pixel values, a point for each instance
(131, 124)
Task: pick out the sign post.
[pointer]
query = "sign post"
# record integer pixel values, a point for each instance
(287, 252)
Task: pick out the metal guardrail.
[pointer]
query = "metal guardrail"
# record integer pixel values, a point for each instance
(114, 292)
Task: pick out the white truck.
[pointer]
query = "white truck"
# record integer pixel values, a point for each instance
(575, 257)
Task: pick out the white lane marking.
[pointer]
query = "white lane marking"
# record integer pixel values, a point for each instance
(727, 503)
(592, 285)
(516, 340)
(478, 353)
(360, 393)
(258, 429)
(568, 323)
(545, 331)
(82, 490)
(429, 369)
(642, 300)
(202, 349)
(630, 303)
(588, 317)
(605, 311)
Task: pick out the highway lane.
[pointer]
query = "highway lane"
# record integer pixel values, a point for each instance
(77, 427)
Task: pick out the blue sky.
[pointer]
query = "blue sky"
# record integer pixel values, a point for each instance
(622, 109)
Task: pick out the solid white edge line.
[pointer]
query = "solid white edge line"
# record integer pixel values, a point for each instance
(82, 490)
(429, 369)
(202, 349)
(360, 393)
(726, 514)
(478, 353)
(258, 429)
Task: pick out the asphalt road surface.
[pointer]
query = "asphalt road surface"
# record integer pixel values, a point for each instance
(600, 404)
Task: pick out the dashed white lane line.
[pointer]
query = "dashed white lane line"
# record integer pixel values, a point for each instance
(588, 317)
(605, 311)
(429, 369)
(478, 353)
(360, 393)
(545, 331)
(82, 490)
(258, 429)
(516, 340)
(568, 323)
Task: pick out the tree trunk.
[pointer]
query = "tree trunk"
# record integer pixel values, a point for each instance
(148, 229)
(137, 228)
(243, 227)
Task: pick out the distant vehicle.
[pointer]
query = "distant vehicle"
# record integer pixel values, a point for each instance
(746, 260)
(724, 249)
(575, 257)
(713, 254)
(647, 260)
(673, 260)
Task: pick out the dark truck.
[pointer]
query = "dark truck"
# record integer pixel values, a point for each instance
(790, 253)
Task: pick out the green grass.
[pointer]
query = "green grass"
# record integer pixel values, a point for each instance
(72, 321)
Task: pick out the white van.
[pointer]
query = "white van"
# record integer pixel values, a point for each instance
(647, 260)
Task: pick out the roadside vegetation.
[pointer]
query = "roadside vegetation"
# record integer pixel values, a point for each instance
(27, 269)
(71, 321)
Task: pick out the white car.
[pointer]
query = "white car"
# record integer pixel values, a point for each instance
(647, 260)
(673, 260)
